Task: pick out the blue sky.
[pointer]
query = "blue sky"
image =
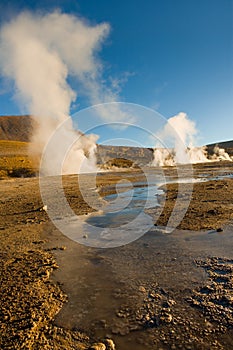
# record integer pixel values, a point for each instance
(173, 55)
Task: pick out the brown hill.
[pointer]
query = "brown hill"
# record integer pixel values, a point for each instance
(134, 155)
(227, 145)
(19, 128)
(224, 144)
(16, 128)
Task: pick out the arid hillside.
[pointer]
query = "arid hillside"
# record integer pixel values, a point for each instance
(16, 128)
(227, 145)
(15, 160)
(19, 128)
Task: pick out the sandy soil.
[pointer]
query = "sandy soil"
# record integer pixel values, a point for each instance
(57, 294)
(211, 204)
(30, 300)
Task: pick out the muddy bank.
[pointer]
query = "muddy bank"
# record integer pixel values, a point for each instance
(29, 298)
(28, 240)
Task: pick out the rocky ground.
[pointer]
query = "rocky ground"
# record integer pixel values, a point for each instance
(160, 292)
(211, 204)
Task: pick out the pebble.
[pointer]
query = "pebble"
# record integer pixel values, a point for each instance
(166, 318)
(110, 344)
(154, 295)
(171, 302)
(142, 289)
(98, 346)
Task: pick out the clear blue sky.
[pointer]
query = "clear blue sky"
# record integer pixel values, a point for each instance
(180, 54)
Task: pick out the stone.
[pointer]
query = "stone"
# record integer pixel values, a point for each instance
(110, 344)
(167, 318)
(142, 289)
(98, 346)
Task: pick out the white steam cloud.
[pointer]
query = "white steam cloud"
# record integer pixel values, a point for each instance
(39, 52)
(220, 154)
(179, 133)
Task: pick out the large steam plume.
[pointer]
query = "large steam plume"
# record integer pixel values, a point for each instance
(179, 134)
(39, 52)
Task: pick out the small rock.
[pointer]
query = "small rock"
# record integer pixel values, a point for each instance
(171, 302)
(85, 236)
(121, 314)
(142, 289)
(166, 318)
(154, 295)
(219, 229)
(151, 323)
(110, 344)
(98, 346)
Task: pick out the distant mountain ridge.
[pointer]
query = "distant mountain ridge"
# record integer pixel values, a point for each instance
(227, 145)
(140, 156)
(16, 128)
(223, 144)
(19, 128)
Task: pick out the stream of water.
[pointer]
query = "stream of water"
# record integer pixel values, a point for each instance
(100, 282)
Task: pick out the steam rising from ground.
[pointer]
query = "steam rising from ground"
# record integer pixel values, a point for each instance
(39, 52)
(176, 144)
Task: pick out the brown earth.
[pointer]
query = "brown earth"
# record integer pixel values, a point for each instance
(31, 249)
(210, 207)
(29, 298)
(15, 160)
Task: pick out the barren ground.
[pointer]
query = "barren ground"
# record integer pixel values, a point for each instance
(145, 307)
